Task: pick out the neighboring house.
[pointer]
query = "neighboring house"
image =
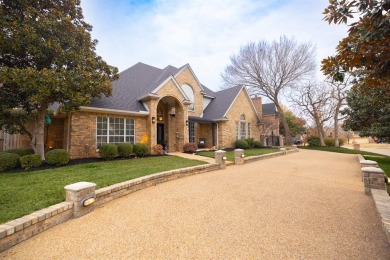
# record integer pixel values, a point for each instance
(157, 106)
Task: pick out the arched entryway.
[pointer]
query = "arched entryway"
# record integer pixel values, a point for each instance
(171, 127)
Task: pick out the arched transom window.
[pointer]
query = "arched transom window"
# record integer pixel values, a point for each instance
(190, 94)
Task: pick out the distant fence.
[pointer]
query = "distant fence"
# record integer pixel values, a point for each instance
(8, 141)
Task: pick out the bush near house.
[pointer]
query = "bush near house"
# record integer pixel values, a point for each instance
(250, 142)
(9, 161)
(30, 161)
(313, 141)
(241, 144)
(140, 150)
(21, 151)
(108, 151)
(57, 157)
(158, 149)
(330, 141)
(257, 144)
(125, 149)
(190, 147)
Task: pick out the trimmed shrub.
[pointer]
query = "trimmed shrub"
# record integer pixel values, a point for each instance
(21, 151)
(9, 161)
(158, 149)
(57, 157)
(108, 151)
(329, 141)
(190, 147)
(30, 161)
(125, 149)
(241, 144)
(257, 144)
(140, 149)
(250, 142)
(313, 141)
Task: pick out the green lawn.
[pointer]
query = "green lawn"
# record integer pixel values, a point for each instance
(248, 152)
(25, 192)
(338, 150)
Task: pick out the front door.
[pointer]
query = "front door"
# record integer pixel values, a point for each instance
(160, 134)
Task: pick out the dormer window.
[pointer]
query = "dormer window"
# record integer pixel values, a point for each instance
(190, 94)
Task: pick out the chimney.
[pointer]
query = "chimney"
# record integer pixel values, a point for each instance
(257, 103)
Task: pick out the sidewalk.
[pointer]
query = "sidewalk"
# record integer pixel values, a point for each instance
(306, 205)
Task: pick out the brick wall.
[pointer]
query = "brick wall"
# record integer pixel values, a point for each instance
(226, 131)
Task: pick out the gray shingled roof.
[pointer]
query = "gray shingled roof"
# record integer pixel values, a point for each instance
(269, 109)
(132, 84)
(221, 103)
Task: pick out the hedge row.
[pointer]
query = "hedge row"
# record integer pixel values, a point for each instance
(110, 151)
(26, 158)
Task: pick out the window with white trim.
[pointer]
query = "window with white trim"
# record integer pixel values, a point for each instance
(114, 130)
(191, 132)
(237, 130)
(190, 94)
(242, 127)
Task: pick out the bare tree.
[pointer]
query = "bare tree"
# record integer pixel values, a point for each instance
(315, 100)
(269, 68)
(338, 94)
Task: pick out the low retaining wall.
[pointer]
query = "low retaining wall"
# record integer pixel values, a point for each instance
(382, 204)
(268, 155)
(18, 230)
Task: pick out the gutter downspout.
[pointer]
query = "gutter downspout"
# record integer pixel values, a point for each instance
(68, 141)
(217, 136)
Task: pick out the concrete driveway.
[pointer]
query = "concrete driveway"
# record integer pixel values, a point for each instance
(309, 204)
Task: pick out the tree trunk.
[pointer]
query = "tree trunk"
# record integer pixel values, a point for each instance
(38, 139)
(322, 135)
(336, 126)
(287, 131)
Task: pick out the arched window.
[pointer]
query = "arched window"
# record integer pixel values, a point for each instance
(190, 94)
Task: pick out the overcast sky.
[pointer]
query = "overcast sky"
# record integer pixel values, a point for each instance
(203, 33)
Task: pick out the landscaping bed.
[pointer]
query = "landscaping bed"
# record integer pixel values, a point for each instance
(24, 192)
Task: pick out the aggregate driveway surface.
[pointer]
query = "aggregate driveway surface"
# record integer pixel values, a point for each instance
(309, 204)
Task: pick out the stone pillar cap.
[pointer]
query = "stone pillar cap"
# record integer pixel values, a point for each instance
(79, 186)
(368, 162)
(239, 150)
(220, 151)
(372, 169)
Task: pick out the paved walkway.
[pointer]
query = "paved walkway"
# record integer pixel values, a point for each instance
(309, 204)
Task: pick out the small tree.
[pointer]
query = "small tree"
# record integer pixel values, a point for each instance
(316, 102)
(46, 56)
(269, 68)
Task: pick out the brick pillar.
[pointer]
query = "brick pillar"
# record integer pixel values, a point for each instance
(239, 156)
(281, 141)
(220, 158)
(374, 178)
(78, 193)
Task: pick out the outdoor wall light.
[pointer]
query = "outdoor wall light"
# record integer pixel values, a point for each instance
(153, 119)
(88, 202)
(160, 118)
(224, 158)
(186, 122)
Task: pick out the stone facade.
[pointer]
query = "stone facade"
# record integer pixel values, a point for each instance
(83, 132)
(227, 129)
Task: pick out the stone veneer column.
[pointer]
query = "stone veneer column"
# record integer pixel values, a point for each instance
(78, 193)
(220, 158)
(239, 156)
(374, 178)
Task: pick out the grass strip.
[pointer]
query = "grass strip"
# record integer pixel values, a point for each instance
(22, 193)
